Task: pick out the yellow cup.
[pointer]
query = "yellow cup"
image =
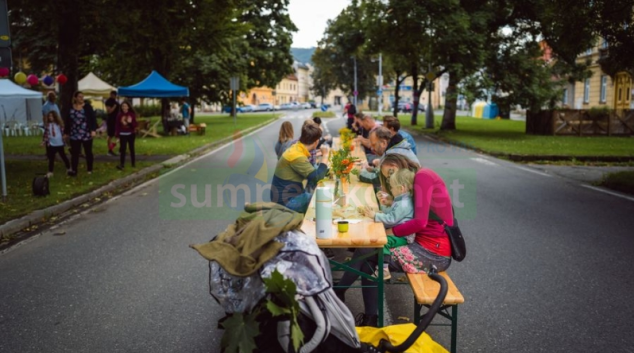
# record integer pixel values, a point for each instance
(342, 226)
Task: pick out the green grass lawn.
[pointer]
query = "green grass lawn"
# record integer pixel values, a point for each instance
(20, 199)
(218, 126)
(20, 173)
(508, 137)
(326, 114)
(621, 181)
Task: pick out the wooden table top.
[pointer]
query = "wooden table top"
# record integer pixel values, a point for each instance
(364, 234)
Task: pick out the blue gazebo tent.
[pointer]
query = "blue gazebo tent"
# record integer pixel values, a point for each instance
(154, 86)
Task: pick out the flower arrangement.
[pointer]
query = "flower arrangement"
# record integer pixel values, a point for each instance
(342, 163)
(347, 136)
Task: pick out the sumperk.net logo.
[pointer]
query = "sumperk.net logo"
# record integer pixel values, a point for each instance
(243, 174)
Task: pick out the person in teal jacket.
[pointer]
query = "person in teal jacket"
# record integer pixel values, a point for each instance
(293, 168)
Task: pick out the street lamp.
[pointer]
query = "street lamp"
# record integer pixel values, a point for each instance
(379, 82)
(355, 82)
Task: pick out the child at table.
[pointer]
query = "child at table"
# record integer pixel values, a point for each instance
(402, 210)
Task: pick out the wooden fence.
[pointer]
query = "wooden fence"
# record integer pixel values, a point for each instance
(569, 122)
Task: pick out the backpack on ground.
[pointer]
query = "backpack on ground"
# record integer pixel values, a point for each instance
(40, 186)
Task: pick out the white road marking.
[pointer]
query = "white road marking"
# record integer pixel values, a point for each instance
(608, 192)
(533, 171)
(483, 161)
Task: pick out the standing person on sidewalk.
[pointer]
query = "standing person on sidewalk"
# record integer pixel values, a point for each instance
(80, 127)
(53, 140)
(112, 108)
(125, 130)
(50, 105)
(186, 112)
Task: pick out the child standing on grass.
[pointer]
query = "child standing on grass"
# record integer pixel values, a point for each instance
(53, 140)
(402, 210)
(125, 130)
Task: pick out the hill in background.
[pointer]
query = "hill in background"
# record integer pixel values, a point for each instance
(303, 55)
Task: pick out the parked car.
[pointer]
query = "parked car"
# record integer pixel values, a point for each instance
(264, 107)
(313, 104)
(246, 108)
(286, 106)
(305, 105)
(406, 107)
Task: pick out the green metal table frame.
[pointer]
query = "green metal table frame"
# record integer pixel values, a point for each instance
(345, 266)
(444, 312)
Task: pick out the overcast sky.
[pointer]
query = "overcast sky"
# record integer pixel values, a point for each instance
(310, 17)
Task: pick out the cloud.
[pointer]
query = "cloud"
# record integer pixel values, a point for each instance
(310, 17)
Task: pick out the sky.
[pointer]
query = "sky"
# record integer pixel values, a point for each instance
(310, 17)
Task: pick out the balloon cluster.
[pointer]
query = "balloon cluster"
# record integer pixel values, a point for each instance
(20, 78)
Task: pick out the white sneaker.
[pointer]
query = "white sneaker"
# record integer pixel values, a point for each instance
(49, 175)
(386, 273)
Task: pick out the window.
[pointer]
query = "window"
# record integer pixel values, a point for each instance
(589, 51)
(604, 86)
(586, 91)
(565, 97)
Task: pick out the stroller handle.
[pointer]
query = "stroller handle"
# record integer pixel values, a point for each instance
(386, 346)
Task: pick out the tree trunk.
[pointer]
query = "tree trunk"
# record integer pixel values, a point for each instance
(415, 105)
(399, 80)
(449, 116)
(67, 52)
(192, 104)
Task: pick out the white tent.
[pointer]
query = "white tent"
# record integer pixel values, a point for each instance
(93, 86)
(19, 104)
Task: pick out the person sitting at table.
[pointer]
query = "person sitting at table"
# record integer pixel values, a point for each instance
(384, 143)
(327, 139)
(394, 125)
(293, 168)
(401, 210)
(431, 246)
(285, 138)
(367, 124)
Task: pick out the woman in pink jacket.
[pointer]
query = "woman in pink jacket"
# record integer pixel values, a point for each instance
(431, 246)
(125, 130)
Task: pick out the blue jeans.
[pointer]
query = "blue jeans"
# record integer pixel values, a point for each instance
(299, 203)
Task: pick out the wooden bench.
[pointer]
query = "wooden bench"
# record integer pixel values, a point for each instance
(426, 290)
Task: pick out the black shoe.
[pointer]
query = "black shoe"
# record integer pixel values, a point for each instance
(120, 167)
(71, 173)
(111, 153)
(366, 320)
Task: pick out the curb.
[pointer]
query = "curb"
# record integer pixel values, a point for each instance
(128, 182)
(522, 157)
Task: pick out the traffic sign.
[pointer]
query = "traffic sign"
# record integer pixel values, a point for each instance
(356, 93)
(379, 92)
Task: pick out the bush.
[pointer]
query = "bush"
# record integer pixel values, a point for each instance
(148, 110)
(326, 114)
(596, 112)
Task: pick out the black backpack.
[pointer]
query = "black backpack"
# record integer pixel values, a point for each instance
(40, 186)
(352, 109)
(458, 245)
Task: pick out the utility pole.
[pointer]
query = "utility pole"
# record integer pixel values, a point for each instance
(380, 90)
(355, 83)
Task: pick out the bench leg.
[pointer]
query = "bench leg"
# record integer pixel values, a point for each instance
(454, 327)
(417, 309)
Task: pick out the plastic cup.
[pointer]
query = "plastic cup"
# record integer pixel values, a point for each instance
(342, 226)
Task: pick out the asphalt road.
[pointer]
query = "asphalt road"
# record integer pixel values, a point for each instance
(548, 266)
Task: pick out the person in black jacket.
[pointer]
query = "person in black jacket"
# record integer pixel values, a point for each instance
(80, 127)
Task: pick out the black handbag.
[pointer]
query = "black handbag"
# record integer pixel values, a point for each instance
(458, 245)
(40, 186)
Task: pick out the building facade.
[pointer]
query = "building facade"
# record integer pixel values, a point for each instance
(599, 90)
(287, 90)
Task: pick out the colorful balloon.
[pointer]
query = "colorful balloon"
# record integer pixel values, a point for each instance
(48, 80)
(61, 79)
(32, 80)
(20, 78)
(4, 72)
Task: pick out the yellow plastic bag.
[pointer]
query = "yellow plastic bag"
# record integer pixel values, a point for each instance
(397, 334)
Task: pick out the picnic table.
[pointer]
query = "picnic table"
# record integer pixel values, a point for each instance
(363, 233)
